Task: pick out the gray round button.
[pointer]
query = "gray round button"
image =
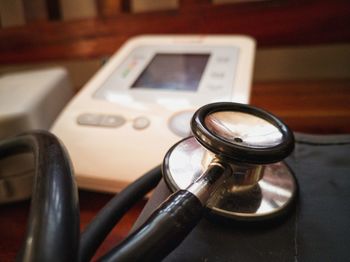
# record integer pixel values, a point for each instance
(141, 122)
(180, 123)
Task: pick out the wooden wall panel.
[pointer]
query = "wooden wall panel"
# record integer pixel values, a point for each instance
(271, 23)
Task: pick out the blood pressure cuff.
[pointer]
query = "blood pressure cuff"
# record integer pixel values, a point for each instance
(316, 229)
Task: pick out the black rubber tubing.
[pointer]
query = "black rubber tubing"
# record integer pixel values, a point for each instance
(97, 230)
(164, 230)
(53, 224)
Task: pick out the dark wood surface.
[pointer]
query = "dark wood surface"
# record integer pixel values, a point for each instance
(271, 23)
(312, 107)
(320, 107)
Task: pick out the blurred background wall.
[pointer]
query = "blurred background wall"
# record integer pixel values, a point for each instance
(296, 40)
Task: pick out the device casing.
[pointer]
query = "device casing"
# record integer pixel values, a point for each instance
(28, 100)
(108, 158)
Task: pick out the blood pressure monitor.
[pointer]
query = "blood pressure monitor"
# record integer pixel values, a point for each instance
(140, 103)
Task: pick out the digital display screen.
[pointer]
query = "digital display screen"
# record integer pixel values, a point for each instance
(173, 72)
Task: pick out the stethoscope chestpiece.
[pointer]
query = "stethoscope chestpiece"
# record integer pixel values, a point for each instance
(253, 143)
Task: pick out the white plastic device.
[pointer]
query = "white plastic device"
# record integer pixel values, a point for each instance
(123, 121)
(28, 100)
(32, 99)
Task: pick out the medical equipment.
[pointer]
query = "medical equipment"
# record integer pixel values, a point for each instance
(29, 100)
(231, 155)
(142, 100)
(32, 99)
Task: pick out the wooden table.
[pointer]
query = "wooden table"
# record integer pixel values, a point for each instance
(314, 107)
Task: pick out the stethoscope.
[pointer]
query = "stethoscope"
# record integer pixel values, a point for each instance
(231, 167)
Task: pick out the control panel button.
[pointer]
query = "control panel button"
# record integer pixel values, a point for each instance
(139, 57)
(214, 87)
(218, 75)
(112, 121)
(223, 59)
(141, 123)
(101, 120)
(89, 119)
(180, 124)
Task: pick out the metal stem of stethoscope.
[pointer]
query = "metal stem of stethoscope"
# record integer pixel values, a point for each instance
(208, 182)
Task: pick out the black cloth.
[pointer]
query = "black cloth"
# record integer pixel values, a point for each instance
(316, 229)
